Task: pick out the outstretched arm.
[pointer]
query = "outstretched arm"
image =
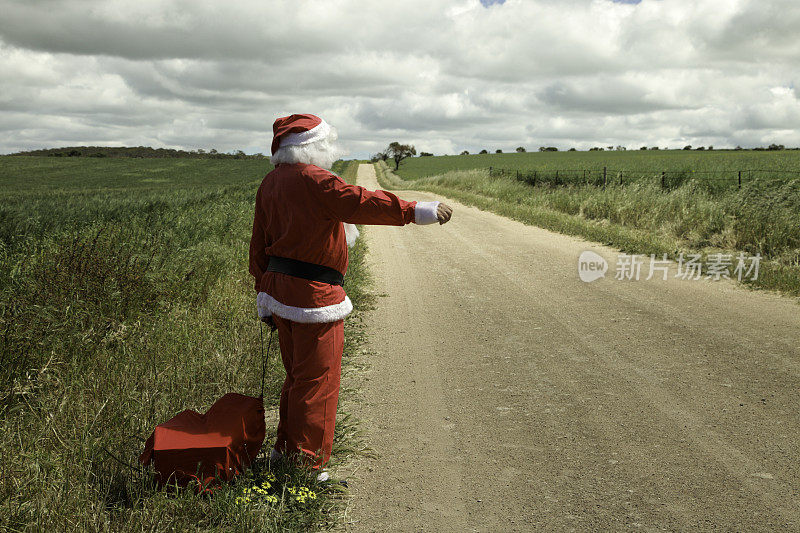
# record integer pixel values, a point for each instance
(357, 205)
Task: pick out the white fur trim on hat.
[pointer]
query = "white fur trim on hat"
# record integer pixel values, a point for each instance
(425, 213)
(317, 133)
(306, 315)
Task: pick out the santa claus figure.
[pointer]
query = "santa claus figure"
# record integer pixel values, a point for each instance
(304, 221)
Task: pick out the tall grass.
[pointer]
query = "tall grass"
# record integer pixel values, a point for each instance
(123, 302)
(642, 218)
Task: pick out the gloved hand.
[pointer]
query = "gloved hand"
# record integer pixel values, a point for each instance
(270, 324)
(443, 213)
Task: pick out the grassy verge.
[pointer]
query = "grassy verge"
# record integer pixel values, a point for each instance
(641, 218)
(124, 299)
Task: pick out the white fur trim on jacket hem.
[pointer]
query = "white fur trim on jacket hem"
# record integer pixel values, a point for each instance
(350, 234)
(306, 315)
(263, 310)
(425, 213)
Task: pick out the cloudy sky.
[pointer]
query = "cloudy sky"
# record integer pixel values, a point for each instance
(445, 75)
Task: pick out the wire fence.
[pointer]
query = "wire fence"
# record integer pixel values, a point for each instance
(668, 179)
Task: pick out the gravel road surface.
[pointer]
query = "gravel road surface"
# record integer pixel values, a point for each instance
(505, 394)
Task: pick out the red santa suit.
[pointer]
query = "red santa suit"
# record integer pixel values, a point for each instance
(300, 213)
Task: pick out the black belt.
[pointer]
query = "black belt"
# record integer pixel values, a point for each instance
(301, 269)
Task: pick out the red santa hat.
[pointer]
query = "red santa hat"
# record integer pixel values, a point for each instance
(295, 130)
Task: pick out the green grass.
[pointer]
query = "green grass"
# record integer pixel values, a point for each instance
(48, 174)
(642, 218)
(124, 299)
(647, 162)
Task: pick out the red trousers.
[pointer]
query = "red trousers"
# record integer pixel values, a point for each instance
(312, 356)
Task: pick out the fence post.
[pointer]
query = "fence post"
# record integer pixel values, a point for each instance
(584, 176)
(740, 179)
(517, 175)
(620, 177)
(605, 177)
(662, 179)
(490, 172)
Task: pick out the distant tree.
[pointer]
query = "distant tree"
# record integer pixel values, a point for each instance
(465, 152)
(498, 151)
(572, 150)
(655, 148)
(620, 148)
(700, 148)
(776, 147)
(596, 149)
(398, 152)
(425, 154)
(609, 148)
(484, 151)
(643, 148)
(383, 155)
(520, 150)
(738, 148)
(710, 147)
(548, 149)
(687, 147)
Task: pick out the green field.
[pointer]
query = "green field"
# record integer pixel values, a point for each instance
(640, 162)
(691, 214)
(124, 299)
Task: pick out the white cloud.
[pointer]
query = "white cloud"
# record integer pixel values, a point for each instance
(444, 75)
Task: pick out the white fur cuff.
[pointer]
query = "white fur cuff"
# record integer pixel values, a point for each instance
(425, 213)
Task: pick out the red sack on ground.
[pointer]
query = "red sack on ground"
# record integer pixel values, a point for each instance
(219, 444)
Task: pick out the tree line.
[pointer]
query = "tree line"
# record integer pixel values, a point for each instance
(397, 151)
(137, 151)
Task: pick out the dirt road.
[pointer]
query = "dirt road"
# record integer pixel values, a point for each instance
(507, 395)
